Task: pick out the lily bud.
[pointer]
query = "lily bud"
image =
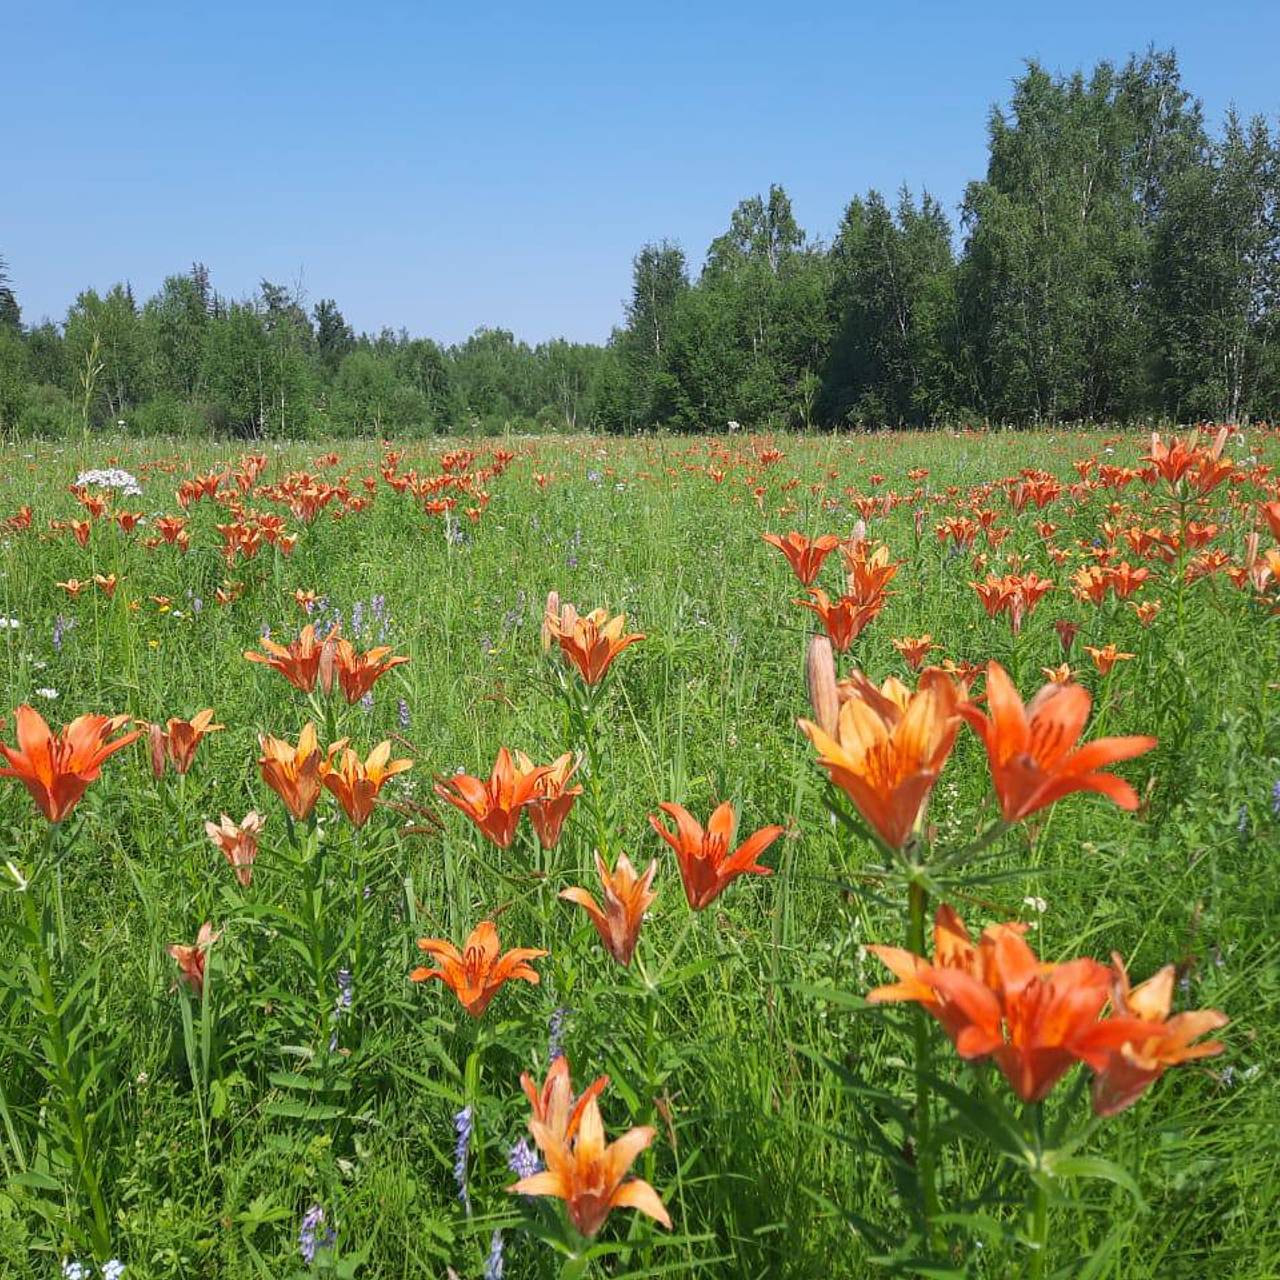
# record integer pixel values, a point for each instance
(156, 743)
(820, 673)
(552, 611)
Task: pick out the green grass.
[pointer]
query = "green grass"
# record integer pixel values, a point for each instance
(775, 1088)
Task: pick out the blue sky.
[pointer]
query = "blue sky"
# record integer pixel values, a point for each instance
(443, 166)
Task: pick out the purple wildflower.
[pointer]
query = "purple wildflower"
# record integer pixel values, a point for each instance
(523, 1160)
(462, 1126)
(494, 1264)
(312, 1236)
(1275, 799)
(404, 714)
(555, 1032)
(340, 1006)
(60, 627)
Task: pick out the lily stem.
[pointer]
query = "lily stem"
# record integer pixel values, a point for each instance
(1039, 1207)
(60, 1055)
(925, 1165)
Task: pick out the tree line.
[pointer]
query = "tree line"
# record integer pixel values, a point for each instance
(1118, 261)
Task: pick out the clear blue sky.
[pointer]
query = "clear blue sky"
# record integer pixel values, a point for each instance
(443, 166)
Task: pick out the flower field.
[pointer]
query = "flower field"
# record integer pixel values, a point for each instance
(717, 857)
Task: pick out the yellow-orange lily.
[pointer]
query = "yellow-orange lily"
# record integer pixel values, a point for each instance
(590, 1175)
(357, 783)
(293, 773)
(177, 740)
(1127, 1070)
(627, 897)
(889, 747)
(591, 643)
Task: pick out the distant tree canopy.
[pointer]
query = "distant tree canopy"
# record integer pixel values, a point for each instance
(1117, 261)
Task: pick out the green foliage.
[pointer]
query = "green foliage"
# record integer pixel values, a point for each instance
(368, 398)
(14, 378)
(893, 310)
(781, 1113)
(10, 312)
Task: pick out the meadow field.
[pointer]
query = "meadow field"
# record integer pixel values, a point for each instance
(224, 1053)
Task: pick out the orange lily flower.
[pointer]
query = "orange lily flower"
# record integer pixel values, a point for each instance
(358, 672)
(178, 741)
(73, 586)
(476, 973)
(293, 773)
(1107, 657)
(804, 556)
(239, 844)
(707, 865)
(1090, 583)
(1060, 674)
(57, 770)
(952, 949)
(963, 673)
(1188, 460)
(1067, 632)
(592, 643)
(553, 797)
(844, 618)
(1124, 579)
(889, 747)
(170, 528)
(590, 1175)
(494, 806)
(1125, 1071)
(998, 1000)
(627, 897)
(1147, 611)
(1032, 750)
(357, 784)
(868, 575)
(106, 583)
(553, 1104)
(299, 662)
(192, 960)
(1271, 513)
(914, 649)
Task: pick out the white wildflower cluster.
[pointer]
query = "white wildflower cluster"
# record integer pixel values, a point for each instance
(110, 478)
(73, 1270)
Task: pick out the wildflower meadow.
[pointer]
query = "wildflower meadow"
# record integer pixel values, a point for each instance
(670, 856)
